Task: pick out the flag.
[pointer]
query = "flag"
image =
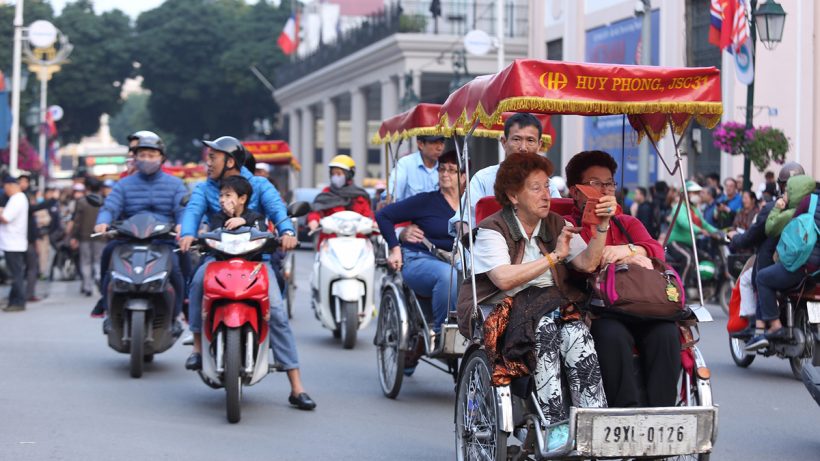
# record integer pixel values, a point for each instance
(289, 38)
(722, 22)
(740, 29)
(51, 127)
(5, 119)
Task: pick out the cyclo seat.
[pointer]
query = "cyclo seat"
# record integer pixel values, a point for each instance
(489, 205)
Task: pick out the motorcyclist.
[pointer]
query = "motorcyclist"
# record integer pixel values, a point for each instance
(226, 155)
(149, 190)
(342, 194)
(680, 242)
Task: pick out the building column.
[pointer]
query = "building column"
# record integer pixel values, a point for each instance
(330, 147)
(358, 130)
(308, 147)
(295, 138)
(574, 45)
(390, 107)
(537, 33)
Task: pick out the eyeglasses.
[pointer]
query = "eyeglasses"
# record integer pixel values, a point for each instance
(444, 169)
(518, 140)
(600, 185)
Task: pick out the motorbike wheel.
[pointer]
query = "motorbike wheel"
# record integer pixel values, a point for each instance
(389, 355)
(737, 347)
(349, 324)
(477, 433)
(801, 323)
(137, 342)
(725, 294)
(232, 379)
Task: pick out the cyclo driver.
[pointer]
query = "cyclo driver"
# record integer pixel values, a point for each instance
(226, 155)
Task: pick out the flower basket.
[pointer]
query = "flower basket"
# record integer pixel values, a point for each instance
(763, 145)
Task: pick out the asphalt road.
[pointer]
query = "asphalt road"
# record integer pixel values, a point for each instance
(64, 395)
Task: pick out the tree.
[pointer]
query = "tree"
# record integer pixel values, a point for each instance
(195, 57)
(90, 83)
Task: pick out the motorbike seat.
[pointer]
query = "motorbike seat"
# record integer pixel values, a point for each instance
(808, 289)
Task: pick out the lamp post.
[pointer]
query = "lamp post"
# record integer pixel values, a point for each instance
(769, 19)
(14, 142)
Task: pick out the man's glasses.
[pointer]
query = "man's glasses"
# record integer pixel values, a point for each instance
(600, 185)
(451, 170)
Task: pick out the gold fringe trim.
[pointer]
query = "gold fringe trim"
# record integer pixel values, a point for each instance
(406, 134)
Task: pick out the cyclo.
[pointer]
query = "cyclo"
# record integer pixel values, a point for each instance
(404, 316)
(506, 422)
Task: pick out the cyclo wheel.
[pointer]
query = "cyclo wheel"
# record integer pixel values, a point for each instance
(232, 379)
(700, 397)
(801, 323)
(389, 355)
(737, 347)
(477, 433)
(137, 342)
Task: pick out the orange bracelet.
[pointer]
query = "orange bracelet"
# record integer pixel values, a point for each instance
(549, 260)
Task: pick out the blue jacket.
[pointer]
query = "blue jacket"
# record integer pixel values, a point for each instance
(159, 194)
(265, 199)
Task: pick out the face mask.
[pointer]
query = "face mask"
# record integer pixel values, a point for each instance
(694, 199)
(148, 167)
(338, 181)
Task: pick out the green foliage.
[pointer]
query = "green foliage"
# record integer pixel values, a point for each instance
(767, 145)
(132, 116)
(195, 57)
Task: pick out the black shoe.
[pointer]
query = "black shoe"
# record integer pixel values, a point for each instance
(106, 326)
(194, 361)
(302, 401)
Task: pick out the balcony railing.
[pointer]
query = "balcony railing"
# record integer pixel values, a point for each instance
(457, 18)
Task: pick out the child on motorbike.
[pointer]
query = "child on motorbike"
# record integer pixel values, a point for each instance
(234, 193)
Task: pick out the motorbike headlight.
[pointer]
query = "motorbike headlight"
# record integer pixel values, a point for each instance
(235, 244)
(121, 282)
(155, 282)
(347, 228)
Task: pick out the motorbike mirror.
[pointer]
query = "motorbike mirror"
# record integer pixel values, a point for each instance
(95, 200)
(184, 200)
(298, 209)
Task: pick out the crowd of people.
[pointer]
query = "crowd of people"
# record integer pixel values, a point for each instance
(530, 263)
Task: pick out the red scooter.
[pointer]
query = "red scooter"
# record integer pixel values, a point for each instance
(236, 309)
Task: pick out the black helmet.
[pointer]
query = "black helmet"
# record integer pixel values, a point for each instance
(231, 147)
(149, 140)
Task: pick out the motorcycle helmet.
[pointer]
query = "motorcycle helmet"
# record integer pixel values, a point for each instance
(346, 163)
(707, 270)
(231, 147)
(150, 140)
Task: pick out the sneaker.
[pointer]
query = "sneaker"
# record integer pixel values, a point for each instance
(558, 437)
(408, 371)
(98, 311)
(756, 343)
(177, 329)
(188, 340)
(34, 299)
(106, 326)
(13, 308)
(777, 335)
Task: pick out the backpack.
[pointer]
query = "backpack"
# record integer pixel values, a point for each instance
(798, 239)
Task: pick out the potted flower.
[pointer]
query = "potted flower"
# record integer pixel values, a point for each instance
(762, 145)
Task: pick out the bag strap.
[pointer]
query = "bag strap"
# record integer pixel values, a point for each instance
(623, 230)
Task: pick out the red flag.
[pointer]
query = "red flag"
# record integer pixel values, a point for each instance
(51, 127)
(722, 27)
(289, 38)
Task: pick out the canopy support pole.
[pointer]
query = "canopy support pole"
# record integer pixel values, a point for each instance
(679, 161)
(465, 162)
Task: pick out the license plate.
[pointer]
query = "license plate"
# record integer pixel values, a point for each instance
(814, 311)
(650, 435)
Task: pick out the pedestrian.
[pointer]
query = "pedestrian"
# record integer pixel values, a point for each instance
(14, 241)
(85, 217)
(642, 209)
(32, 235)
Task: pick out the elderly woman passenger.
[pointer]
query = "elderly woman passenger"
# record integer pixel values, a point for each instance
(657, 341)
(523, 255)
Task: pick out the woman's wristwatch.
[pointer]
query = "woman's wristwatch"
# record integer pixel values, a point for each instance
(602, 230)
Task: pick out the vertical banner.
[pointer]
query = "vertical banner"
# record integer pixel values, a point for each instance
(619, 43)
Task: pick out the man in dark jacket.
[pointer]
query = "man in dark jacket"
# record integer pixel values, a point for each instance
(755, 236)
(149, 190)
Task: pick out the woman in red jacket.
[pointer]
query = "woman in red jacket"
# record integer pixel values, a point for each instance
(341, 195)
(657, 341)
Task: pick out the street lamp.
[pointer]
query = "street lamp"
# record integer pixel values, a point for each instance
(770, 18)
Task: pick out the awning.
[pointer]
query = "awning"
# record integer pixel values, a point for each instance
(272, 152)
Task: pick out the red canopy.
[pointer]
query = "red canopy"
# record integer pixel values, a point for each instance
(647, 94)
(424, 120)
(273, 152)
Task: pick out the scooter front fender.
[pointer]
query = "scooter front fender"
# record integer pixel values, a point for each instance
(234, 315)
(350, 290)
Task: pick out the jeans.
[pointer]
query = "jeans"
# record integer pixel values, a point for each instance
(32, 270)
(429, 276)
(90, 252)
(769, 281)
(16, 265)
(281, 337)
(175, 277)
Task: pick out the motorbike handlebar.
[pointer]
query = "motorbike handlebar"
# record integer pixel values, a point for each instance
(102, 234)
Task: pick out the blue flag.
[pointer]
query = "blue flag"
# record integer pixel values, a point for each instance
(5, 119)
